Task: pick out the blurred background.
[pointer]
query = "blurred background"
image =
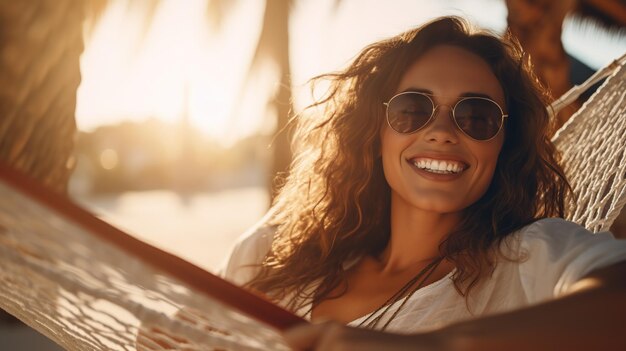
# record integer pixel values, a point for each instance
(164, 117)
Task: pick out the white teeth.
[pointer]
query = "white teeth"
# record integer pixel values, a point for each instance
(439, 166)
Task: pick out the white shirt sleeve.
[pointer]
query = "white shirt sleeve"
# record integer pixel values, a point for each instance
(558, 253)
(248, 253)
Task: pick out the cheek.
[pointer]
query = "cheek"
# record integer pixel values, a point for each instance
(488, 158)
(491, 159)
(391, 147)
(392, 142)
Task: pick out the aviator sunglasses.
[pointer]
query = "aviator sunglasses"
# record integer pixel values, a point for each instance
(479, 118)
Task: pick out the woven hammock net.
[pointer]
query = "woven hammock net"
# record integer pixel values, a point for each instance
(593, 146)
(88, 294)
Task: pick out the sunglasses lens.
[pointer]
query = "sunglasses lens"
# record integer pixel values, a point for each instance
(479, 118)
(409, 112)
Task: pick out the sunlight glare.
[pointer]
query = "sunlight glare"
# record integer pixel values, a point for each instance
(179, 67)
(108, 159)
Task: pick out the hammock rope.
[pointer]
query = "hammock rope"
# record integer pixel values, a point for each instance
(593, 147)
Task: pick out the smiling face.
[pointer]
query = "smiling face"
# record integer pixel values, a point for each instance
(438, 168)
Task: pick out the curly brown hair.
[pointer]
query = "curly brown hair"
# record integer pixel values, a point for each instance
(335, 203)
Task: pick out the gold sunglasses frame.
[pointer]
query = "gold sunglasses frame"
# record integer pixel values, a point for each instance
(452, 115)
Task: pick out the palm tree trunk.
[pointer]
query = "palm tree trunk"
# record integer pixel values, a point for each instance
(282, 101)
(40, 47)
(538, 25)
(273, 44)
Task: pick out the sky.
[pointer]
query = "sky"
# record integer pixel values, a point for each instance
(179, 67)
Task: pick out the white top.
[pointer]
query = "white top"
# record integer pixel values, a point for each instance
(555, 254)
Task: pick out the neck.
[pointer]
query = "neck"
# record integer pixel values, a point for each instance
(415, 236)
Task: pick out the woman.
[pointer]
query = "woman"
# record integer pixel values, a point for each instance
(420, 202)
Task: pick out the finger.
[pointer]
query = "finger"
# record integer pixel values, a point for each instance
(305, 336)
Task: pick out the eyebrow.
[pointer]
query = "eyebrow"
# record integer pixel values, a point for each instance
(466, 94)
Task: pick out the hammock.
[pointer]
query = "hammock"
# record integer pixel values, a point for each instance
(593, 145)
(88, 286)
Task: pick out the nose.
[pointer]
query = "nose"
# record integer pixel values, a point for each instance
(441, 128)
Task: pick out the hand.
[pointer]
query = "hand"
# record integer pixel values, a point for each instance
(332, 336)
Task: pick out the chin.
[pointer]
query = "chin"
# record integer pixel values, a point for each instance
(442, 207)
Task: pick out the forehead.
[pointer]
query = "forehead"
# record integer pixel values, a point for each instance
(450, 71)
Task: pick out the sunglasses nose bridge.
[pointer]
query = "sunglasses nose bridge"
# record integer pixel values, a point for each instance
(447, 125)
(437, 108)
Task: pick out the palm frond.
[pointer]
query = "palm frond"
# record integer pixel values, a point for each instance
(609, 15)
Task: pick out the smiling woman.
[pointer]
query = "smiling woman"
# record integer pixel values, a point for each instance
(422, 197)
